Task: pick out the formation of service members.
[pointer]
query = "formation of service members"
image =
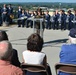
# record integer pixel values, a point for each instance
(58, 20)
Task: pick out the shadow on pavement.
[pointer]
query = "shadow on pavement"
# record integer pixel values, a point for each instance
(18, 39)
(54, 42)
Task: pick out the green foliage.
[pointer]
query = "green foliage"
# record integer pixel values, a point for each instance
(30, 5)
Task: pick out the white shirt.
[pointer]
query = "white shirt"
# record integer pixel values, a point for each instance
(33, 57)
(19, 9)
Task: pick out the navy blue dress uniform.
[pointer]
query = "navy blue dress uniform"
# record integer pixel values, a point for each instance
(74, 19)
(28, 16)
(63, 20)
(10, 13)
(57, 20)
(0, 17)
(53, 20)
(4, 13)
(70, 18)
(22, 21)
(31, 21)
(47, 18)
(19, 11)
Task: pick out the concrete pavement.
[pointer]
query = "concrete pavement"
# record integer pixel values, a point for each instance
(53, 40)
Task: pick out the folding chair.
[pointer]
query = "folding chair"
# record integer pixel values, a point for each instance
(34, 69)
(66, 68)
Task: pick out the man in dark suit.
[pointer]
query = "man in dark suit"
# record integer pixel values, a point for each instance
(10, 13)
(47, 18)
(57, 19)
(74, 19)
(53, 20)
(28, 21)
(21, 21)
(63, 19)
(0, 16)
(70, 23)
(19, 11)
(4, 14)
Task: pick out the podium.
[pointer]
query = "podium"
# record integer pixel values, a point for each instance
(41, 27)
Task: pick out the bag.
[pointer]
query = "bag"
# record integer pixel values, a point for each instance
(12, 16)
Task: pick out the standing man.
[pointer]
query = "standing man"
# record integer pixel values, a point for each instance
(10, 13)
(31, 21)
(5, 15)
(0, 17)
(22, 20)
(70, 23)
(53, 20)
(57, 19)
(63, 19)
(74, 19)
(47, 18)
(28, 21)
(19, 11)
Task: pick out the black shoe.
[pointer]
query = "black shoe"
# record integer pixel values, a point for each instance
(19, 26)
(22, 26)
(64, 29)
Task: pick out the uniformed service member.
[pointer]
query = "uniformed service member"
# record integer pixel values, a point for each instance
(70, 19)
(53, 20)
(47, 18)
(5, 15)
(10, 13)
(0, 17)
(63, 19)
(74, 19)
(21, 22)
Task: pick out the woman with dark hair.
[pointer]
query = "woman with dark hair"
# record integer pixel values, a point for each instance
(33, 54)
(35, 43)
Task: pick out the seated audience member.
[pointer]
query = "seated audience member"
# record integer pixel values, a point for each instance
(33, 54)
(34, 47)
(14, 58)
(68, 51)
(6, 68)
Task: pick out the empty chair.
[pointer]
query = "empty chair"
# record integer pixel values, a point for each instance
(66, 68)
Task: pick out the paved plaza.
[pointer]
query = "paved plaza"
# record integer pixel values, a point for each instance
(53, 39)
